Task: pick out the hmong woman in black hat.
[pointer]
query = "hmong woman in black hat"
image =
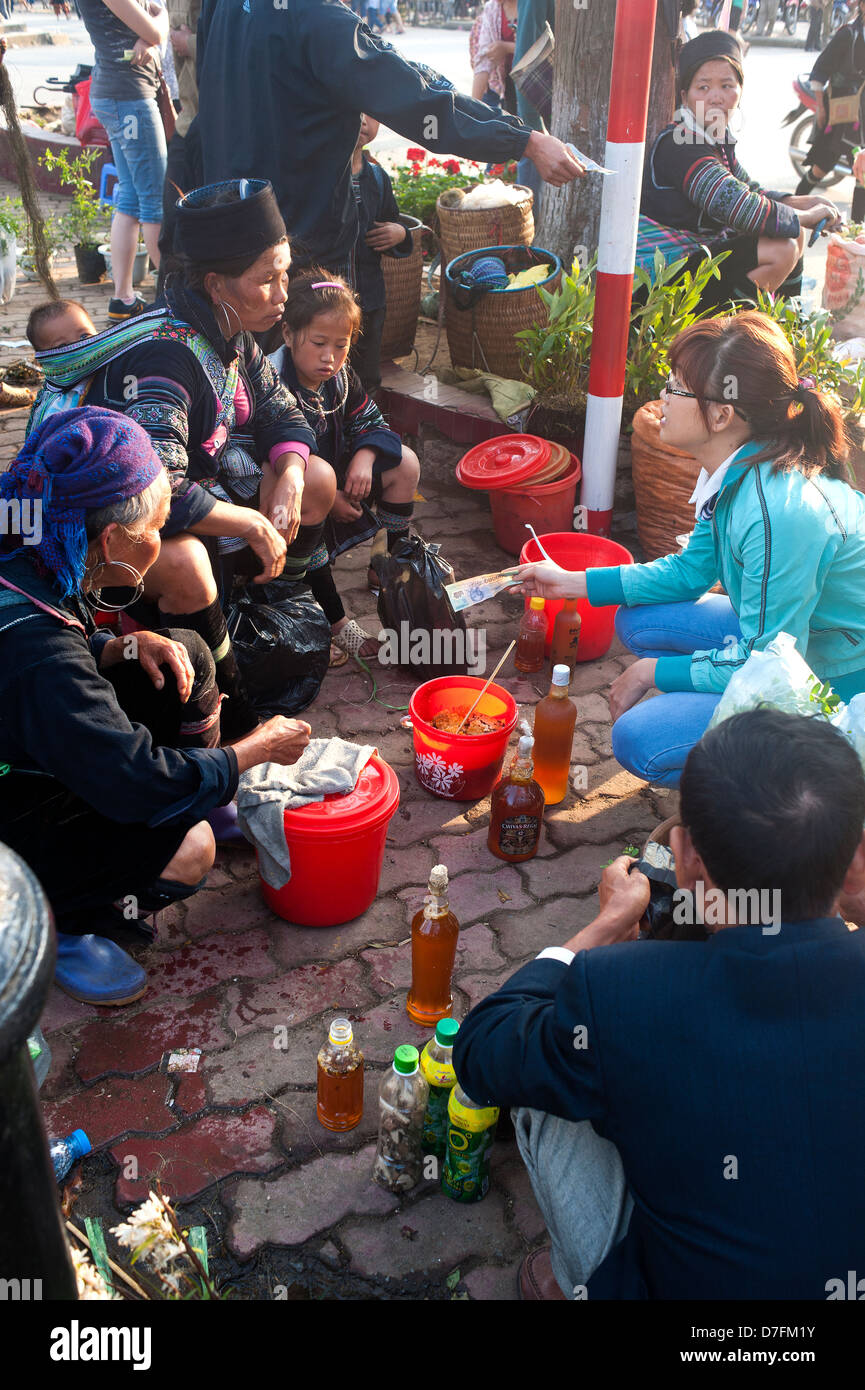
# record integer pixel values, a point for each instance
(191, 374)
(693, 180)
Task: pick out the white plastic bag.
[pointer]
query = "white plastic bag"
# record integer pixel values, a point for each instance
(850, 721)
(777, 677)
(8, 265)
(844, 286)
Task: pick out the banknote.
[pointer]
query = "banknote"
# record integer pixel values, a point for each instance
(588, 164)
(466, 592)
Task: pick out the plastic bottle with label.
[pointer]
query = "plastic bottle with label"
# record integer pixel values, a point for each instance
(340, 1079)
(555, 717)
(402, 1105)
(471, 1130)
(40, 1054)
(517, 809)
(436, 1064)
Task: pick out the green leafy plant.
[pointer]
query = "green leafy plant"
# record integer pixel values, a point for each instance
(809, 333)
(11, 218)
(85, 223)
(556, 355)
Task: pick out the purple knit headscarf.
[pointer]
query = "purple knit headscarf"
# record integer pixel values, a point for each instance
(75, 462)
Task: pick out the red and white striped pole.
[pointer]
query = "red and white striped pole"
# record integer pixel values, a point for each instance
(620, 210)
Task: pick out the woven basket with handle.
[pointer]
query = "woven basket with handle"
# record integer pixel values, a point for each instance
(403, 282)
(484, 335)
(663, 481)
(510, 225)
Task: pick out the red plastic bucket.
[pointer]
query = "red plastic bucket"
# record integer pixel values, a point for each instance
(337, 848)
(576, 550)
(460, 767)
(549, 507)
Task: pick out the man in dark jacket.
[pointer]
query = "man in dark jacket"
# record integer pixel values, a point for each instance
(692, 1115)
(282, 84)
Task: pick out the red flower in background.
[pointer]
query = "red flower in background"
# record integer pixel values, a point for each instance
(451, 166)
(434, 163)
(497, 170)
(415, 154)
(415, 171)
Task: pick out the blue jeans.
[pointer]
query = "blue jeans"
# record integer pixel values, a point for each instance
(653, 739)
(139, 153)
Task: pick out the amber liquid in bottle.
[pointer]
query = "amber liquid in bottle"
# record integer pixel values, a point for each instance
(516, 811)
(566, 635)
(555, 717)
(434, 933)
(531, 638)
(340, 1079)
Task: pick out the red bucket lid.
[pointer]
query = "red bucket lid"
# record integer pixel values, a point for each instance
(375, 794)
(505, 461)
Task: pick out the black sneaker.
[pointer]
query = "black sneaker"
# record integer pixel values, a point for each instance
(118, 309)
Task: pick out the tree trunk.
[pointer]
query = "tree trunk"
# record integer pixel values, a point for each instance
(662, 91)
(571, 216)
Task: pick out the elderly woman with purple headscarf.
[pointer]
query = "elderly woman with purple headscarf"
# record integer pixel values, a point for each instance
(109, 746)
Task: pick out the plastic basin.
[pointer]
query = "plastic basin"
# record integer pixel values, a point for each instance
(337, 848)
(459, 767)
(549, 507)
(576, 550)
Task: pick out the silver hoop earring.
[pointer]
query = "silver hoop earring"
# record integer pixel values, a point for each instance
(96, 606)
(225, 306)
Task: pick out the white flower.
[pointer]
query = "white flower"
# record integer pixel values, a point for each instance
(149, 1231)
(87, 1277)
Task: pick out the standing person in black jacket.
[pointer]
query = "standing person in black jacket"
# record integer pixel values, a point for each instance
(839, 71)
(380, 232)
(690, 1112)
(316, 68)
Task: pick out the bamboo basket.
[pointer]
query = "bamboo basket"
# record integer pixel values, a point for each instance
(484, 336)
(403, 282)
(510, 225)
(663, 481)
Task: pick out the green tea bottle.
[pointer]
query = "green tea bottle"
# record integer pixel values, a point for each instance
(471, 1129)
(437, 1067)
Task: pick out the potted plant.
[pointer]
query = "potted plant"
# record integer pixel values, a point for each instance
(139, 269)
(51, 230)
(84, 222)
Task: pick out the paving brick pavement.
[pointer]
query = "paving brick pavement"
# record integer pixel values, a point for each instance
(237, 1142)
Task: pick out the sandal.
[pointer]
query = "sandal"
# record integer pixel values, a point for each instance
(352, 639)
(337, 658)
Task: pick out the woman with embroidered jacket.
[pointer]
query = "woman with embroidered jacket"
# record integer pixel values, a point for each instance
(109, 748)
(777, 523)
(192, 375)
(693, 180)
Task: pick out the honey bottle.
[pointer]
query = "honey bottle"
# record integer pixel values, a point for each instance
(555, 717)
(340, 1079)
(517, 809)
(531, 637)
(566, 635)
(434, 933)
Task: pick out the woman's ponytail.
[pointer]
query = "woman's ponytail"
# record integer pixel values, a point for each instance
(823, 437)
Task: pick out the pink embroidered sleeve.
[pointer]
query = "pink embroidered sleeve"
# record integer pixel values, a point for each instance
(292, 447)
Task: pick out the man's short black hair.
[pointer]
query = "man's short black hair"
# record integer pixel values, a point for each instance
(775, 801)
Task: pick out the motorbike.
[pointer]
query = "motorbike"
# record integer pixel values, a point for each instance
(804, 131)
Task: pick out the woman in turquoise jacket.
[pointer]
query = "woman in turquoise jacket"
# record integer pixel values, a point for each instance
(777, 524)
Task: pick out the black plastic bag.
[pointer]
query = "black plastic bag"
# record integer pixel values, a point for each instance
(281, 639)
(423, 632)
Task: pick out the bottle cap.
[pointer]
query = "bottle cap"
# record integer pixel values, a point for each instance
(78, 1139)
(405, 1060)
(340, 1032)
(438, 879)
(561, 675)
(537, 604)
(526, 745)
(446, 1031)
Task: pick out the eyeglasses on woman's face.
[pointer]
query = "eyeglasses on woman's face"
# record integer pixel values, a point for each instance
(670, 389)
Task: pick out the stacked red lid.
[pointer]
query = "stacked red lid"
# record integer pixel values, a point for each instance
(513, 461)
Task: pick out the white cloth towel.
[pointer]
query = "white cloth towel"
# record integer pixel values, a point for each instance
(265, 792)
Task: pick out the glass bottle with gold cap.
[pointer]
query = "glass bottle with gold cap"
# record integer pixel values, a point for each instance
(340, 1079)
(434, 934)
